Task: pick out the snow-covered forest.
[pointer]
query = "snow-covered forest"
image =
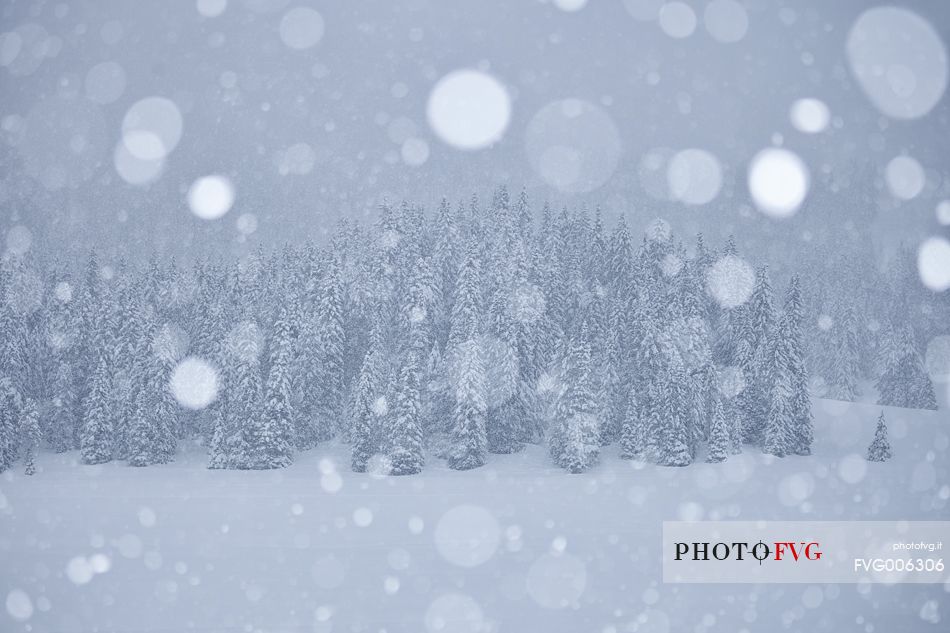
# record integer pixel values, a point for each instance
(389, 316)
(469, 331)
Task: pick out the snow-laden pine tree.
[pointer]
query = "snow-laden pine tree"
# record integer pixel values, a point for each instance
(617, 387)
(163, 410)
(720, 443)
(245, 408)
(506, 425)
(221, 431)
(801, 427)
(905, 382)
(674, 449)
(61, 332)
(420, 308)
(269, 435)
(323, 355)
(632, 428)
(777, 438)
(141, 440)
(64, 421)
(366, 420)
(880, 448)
(446, 261)
(405, 424)
(845, 368)
(30, 435)
(648, 387)
(96, 435)
(13, 339)
(753, 358)
(150, 426)
(575, 436)
(597, 319)
(9, 410)
(469, 441)
(466, 318)
(125, 359)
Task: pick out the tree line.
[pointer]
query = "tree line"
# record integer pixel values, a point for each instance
(478, 330)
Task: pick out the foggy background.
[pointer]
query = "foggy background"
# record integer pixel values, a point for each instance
(310, 135)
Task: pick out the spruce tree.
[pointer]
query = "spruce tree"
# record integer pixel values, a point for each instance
(96, 439)
(321, 375)
(734, 422)
(222, 429)
(366, 422)
(245, 408)
(777, 439)
(845, 368)
(905, 382)
(575, 440)
(163, 410)
(30, 434)
(466, 301)
(880, 448)
(269, 436)
(330, 390)
(801, 427)
(632, 429)
(9, 409)
(719, 435)
(674, 449)
(506, 422)
(64, 422)
(753, 357)
(141, 436)
(405, 430)
(469, 441)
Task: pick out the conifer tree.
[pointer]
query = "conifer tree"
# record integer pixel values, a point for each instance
(469, 432)
(141, 435)
(245, 407)
(575, 439)
(719, 435)
(163, 410)
(616, 389)
(880, 448)
(95, 440)
(222, 430)
(632, 429)
(30, 434)
(753, 358)
(467, 300)
(9, 409)
(13, 334)
(405, 431)
(905, 382)
(64, 422)
(506, 422)
(777, 438)
(332, 348)
(674, 449)
(801, 427)
(323, 358)
(845, 368)
(269, 437)
(366, 422)
(469, 442)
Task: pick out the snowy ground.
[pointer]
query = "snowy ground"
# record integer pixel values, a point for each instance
(318, 548)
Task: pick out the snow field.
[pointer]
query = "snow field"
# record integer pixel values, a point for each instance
(516, 545)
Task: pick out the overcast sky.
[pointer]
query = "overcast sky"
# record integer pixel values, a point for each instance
(317, 110)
